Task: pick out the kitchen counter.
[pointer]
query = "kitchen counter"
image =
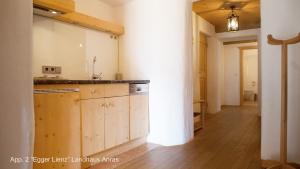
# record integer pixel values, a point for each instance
(59, 81)
(93, 118)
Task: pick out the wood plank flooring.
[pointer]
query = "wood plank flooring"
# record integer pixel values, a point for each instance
(125, 157)
(230, 140)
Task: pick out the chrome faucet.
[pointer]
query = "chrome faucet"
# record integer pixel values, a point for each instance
(94, 75)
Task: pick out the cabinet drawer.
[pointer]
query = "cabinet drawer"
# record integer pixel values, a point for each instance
(103, 90)
(113, 90)
(92, 91)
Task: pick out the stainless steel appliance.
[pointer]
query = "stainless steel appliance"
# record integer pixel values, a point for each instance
(138, 89)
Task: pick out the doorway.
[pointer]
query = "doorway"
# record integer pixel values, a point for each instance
(233, 71)
(249, 75)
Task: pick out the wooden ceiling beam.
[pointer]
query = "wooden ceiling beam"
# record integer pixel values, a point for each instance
(239, 42)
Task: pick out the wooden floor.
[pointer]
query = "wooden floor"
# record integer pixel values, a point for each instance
(230, 140)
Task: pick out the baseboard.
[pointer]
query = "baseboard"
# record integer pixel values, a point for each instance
(265, 164)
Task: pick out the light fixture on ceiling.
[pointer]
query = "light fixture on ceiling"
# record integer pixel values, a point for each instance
(53, 12)
(42, 11)
(232, 21)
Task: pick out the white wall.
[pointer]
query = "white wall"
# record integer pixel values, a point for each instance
(16, 104)
(96, 8)
(214, 77)
(157, 46)
(281, 19)
(232, 73)
(250, 34)
(250, 70)
(73, 47)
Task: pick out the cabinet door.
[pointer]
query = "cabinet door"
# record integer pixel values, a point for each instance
(92, 126)
(139, 118)
(116, 121)
(57, 129)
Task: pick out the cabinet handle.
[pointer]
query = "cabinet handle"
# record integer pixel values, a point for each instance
(103, 105)
(111, 105)
(93, 91)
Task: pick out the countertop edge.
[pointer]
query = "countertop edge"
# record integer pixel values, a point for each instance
(52, 82)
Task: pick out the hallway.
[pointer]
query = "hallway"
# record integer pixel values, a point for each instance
(230, 140)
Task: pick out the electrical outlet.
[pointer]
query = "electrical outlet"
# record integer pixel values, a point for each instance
(57, 70)
(51, 69)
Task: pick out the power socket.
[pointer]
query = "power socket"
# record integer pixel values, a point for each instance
(51, 69)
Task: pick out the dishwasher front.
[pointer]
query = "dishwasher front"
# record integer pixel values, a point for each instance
(57, 128)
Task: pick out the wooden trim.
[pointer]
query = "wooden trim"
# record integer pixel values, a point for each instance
(80, 19)
(268, 163)
(64, 6)
(272, 164)
(203, 73)
(239, 42)
(241, 78)
(248, 47)
(241, 71)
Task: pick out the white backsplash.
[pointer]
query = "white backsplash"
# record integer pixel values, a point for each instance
(72, 47)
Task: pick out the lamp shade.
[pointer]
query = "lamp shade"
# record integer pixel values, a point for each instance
(233, 22)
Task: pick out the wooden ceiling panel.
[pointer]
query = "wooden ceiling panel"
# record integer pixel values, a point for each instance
(213, 11)
(253, 4)
(206, 6)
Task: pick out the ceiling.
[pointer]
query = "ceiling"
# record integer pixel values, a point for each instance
(115, 2)
(217, 11)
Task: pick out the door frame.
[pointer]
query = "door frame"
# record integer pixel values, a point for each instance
(242, 49)
(203, 42)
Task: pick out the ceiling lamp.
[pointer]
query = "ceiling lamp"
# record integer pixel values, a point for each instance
(232, 21)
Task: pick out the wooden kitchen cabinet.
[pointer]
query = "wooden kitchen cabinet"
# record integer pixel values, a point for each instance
(57, 129)
(105, 116)
(92, 121)
(96, 120)
(91, 22)
(105, 123)
(139, 116)
(116, 121)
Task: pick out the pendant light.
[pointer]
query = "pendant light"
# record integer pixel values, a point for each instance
(232, 21)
